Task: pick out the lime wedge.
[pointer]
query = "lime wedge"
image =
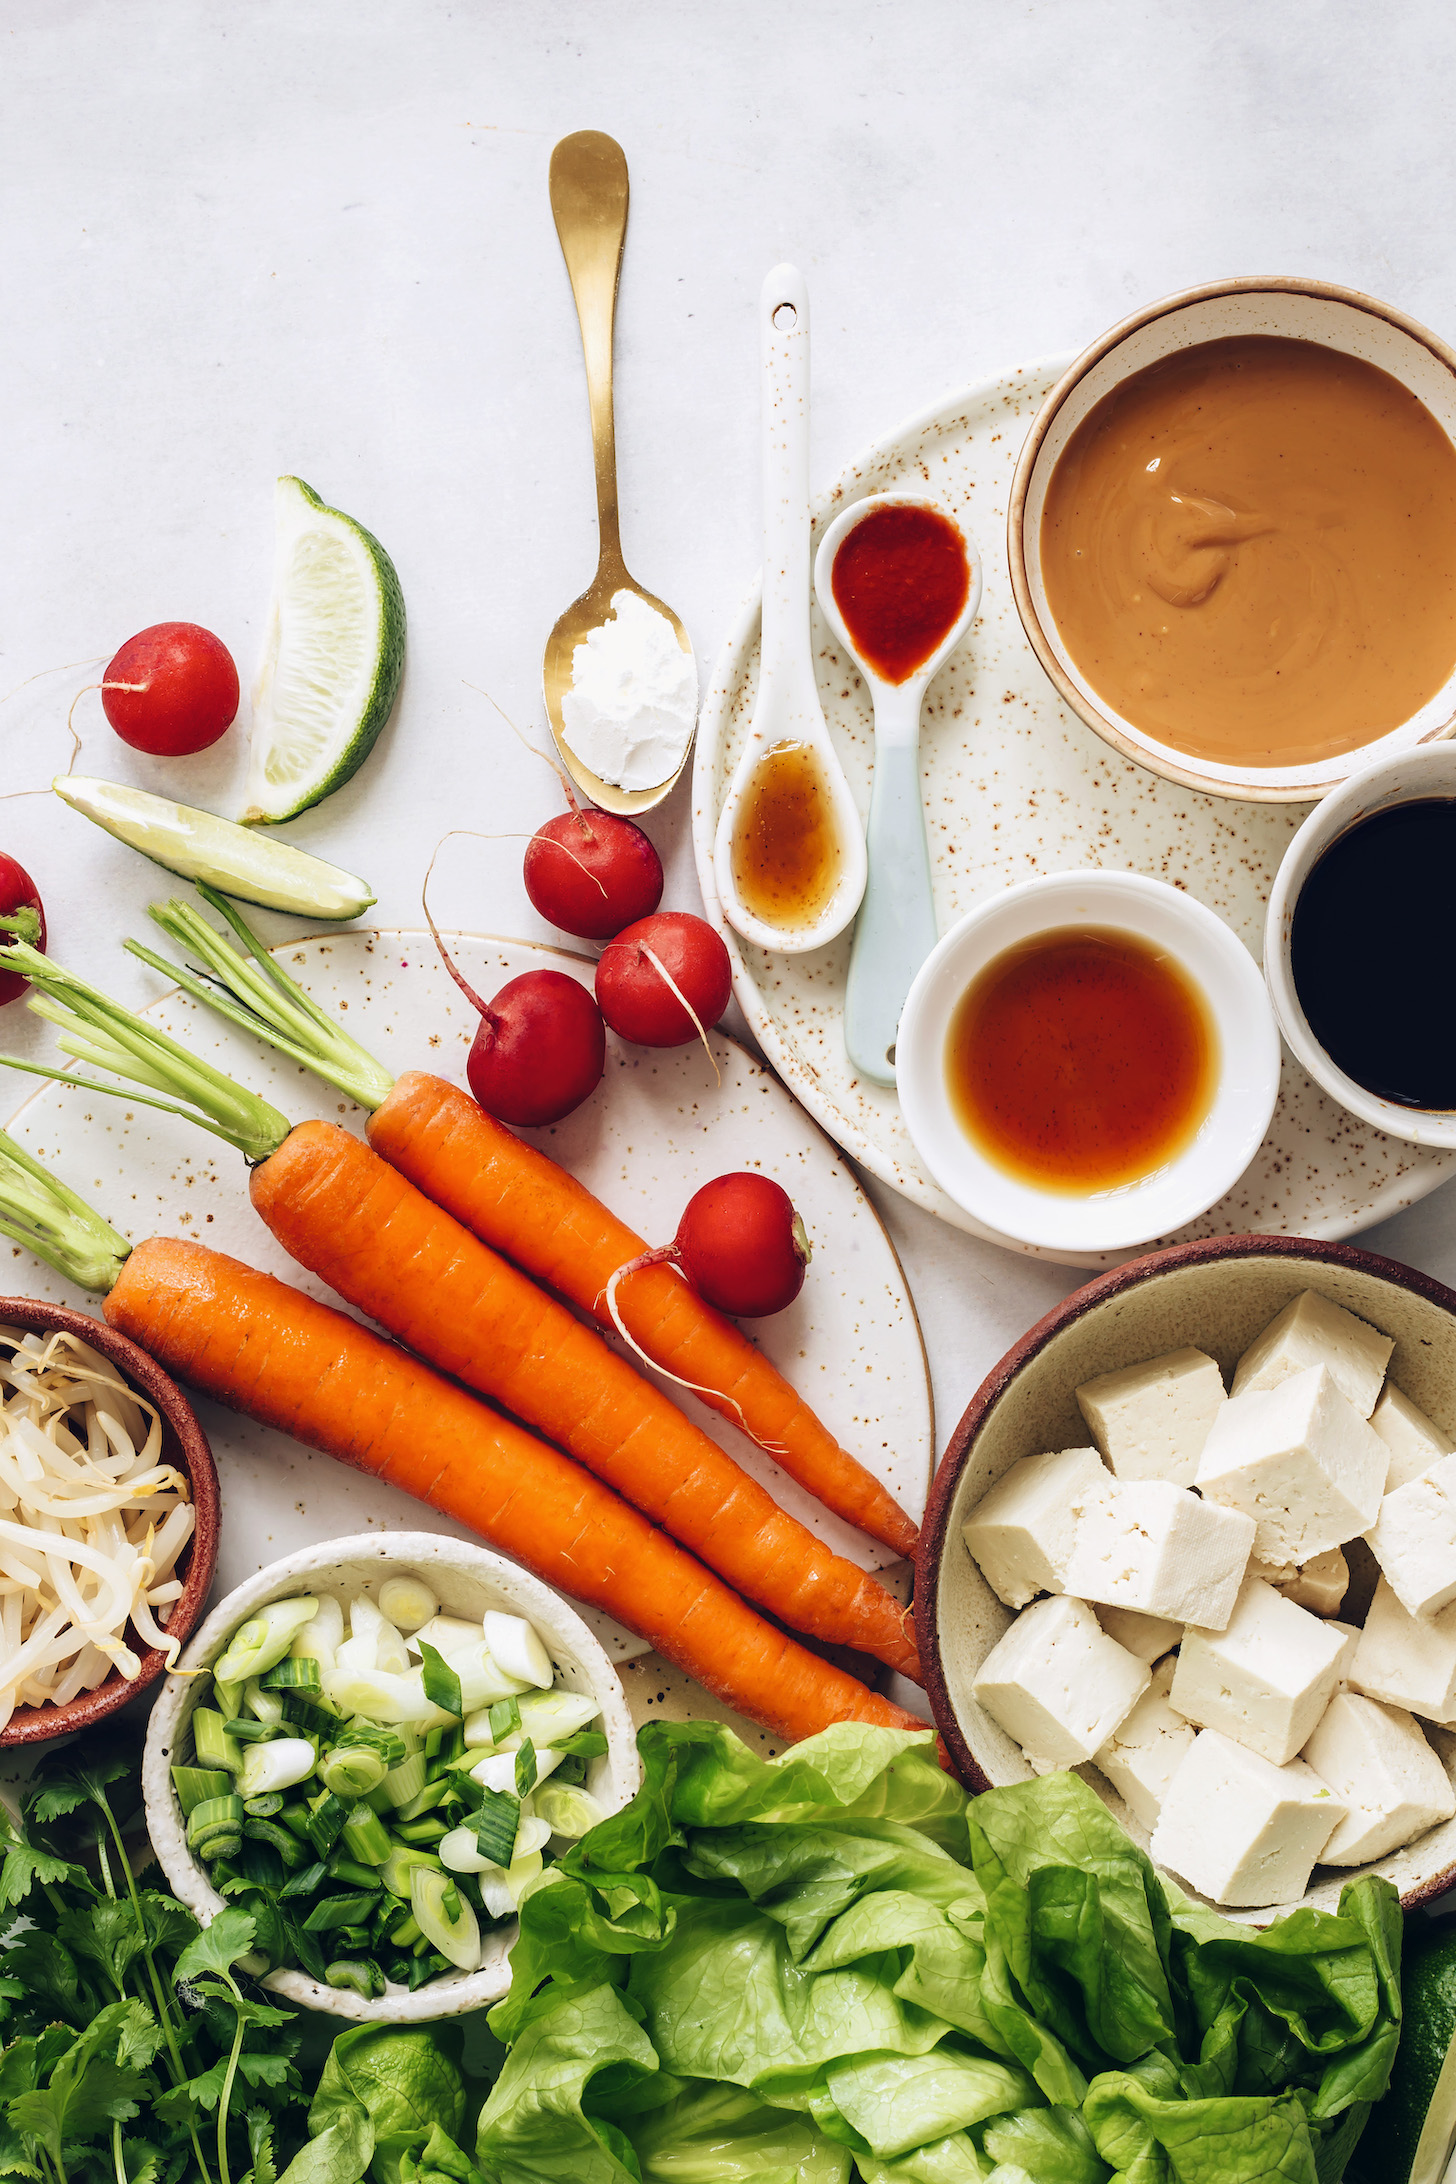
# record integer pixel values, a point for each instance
(200, 846)
(332, 660)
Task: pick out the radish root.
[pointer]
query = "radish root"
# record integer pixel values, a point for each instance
(676, 990)
(666, 1255)
(567, 787)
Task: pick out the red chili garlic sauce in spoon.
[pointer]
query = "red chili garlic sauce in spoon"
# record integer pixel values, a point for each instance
(900, 581)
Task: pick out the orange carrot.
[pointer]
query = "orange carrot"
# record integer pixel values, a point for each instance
(251, 1342)
(349, 1217)
(521, 1203)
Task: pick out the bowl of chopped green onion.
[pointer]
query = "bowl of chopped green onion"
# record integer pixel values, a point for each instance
(375, 1748)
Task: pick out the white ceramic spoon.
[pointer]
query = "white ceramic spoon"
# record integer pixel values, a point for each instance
(896, 929)
(787, 707)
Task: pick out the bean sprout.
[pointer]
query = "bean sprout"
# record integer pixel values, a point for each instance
(92, 1523)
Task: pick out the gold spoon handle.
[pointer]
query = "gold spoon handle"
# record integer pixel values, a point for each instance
(589, 200)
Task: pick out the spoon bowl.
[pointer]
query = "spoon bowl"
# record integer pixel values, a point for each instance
(589, 195)
(897, 928)
(787, 710)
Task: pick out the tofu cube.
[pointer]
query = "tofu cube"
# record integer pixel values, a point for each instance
(1240, 1830)
(1377, 1761)
(1158, 1549)
(1414, 1540)
(1414, 1443)
(1151, 1421)
(1148, 1636)
(1407, 1661)
(1321, 1585)
(1058, 1684)
(1310, 1332)
(1301, 1461)
(1021, 1533)
(1265, 1680)
(1349, 1638)
(1141, 1757)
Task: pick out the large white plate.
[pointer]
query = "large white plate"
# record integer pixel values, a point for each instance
(1016, 786)
(656, 1129)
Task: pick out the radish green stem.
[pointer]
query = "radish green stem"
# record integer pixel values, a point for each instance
(260, 997)
(39, 1213)
(98, 1030)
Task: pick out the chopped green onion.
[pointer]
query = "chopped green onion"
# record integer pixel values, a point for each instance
(296, 1816)
(315, 1716)
(359, 1975)
(442, 1685)
(365, 1837)
(247, 1731)
(214, 1747)
(337, 1911)
(404, 1783)
(433, 1794)
(567, 1811)
(256, 1645)
(408, 1602)
(397, 1867)
(229, 1697)
(429, 1830)
(525, 1769)
(504, 1719)
(445, 1919)
(352, 1770)
(326, 1822)
(289, 1674)
(433, 1739)
(496, 1826)
(215, 1828)
(407, 1933)
(425, 1969)
(288, 1847)
(262, 1705)
(277, 1765)
(307, 1882)
(357, 1876)
(266, 1807)
(194, 1784)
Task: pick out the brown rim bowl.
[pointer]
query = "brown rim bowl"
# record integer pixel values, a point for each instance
(1216, 1295)
(184, 1444)
(1283, 305)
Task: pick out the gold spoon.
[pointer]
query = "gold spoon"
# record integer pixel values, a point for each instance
(589, 201)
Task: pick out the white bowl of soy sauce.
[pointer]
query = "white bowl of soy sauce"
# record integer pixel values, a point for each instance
(1356, 949)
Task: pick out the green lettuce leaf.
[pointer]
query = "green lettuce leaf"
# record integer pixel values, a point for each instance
(536, 2123)
(719, 2134)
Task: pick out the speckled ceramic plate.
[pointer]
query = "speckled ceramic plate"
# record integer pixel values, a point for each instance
(657, 1129)
(1015, 786)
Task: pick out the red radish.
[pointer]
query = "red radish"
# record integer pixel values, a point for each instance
(742, 1246)
(22, 914)
(664, 980)
(540, 1050)
(171, 690)
(591, 872)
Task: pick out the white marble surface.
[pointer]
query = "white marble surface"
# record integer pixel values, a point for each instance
(313, 235)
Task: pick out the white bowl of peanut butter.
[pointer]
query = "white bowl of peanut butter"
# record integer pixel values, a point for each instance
(1232, 537)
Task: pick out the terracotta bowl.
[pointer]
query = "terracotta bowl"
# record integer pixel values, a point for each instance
(1215, 1295)
(1336, 318)
(184, 1444)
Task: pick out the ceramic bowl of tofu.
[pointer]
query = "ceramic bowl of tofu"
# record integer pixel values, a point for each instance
(1429, 771)
(1195, 1537)
(466, 1582)
(1245, 1079)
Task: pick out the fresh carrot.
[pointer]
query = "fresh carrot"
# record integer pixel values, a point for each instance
(362, 1227)
(521, 1203)
(253, 1343)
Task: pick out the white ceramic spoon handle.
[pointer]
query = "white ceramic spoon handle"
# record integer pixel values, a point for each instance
(896, 927)
(783, 317)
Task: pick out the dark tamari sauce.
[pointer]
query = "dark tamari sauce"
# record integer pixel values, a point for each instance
(1081, 1060)
(1368, 953)
(787, 855)
(900, 580)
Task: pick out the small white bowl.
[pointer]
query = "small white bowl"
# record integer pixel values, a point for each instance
(1429, 771)
(1282, 305)
(1243, 1102)
(467, 1580)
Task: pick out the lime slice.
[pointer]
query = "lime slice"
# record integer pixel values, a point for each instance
(200, 846)
(1412, 2130)
(332, 661)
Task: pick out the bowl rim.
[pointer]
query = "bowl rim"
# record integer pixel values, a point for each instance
(408, 1550)
(1163, 762)
(1377, 787)
(37, 1724)
(934, 1530)
(1185, 913)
